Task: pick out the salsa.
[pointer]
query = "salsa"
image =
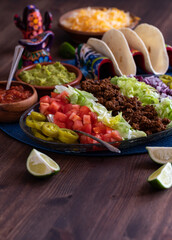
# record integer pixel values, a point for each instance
(47, 75)
(14, 94)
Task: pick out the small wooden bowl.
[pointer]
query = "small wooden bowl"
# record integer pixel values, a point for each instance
(46, 90)
(82, 36)
(11, 112)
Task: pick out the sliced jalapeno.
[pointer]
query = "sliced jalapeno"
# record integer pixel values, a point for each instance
(30, 121)
(38, 125)
(50, 129)
(67, 136)
(38, 134)
(38, 116)
(167, 79)
(33, 123)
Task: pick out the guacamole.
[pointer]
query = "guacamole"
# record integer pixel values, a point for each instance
(48, 75)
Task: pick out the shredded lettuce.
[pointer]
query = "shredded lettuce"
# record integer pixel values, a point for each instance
(164, 108)
(84, 98)
(130, 87)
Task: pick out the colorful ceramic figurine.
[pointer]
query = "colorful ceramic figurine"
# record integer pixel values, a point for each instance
(32, 23)
(37, 49)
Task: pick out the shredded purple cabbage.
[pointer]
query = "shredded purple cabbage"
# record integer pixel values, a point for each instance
(156, 83)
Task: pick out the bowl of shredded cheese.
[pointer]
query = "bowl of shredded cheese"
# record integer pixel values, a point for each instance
(84, 23)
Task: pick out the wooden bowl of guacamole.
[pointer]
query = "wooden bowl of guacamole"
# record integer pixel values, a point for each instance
(45, 76)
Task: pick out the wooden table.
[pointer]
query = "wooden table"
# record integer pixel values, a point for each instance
(102, 198)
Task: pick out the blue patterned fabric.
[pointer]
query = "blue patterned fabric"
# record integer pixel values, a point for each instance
(93, 63)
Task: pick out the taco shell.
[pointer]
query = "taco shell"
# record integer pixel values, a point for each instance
(120, 49)
(154, 47)
(101, 47)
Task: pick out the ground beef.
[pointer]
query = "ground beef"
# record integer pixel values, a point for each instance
(143, 118)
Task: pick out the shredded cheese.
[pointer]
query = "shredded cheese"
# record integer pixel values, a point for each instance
(98, 20)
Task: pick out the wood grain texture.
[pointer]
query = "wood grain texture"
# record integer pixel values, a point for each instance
(91, 198)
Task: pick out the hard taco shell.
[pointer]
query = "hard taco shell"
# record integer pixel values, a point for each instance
(155, 45)
(120, 49)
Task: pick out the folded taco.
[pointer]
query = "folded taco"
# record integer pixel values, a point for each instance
(149, 41)
(121, 51)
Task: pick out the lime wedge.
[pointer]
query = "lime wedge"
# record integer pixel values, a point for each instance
(66, 50)
(40, 165)
(160, 155)
(162, 178)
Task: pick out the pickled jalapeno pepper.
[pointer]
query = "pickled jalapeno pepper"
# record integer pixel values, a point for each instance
(38, 116)
(50, 129)
(38, 134)
(67, 136)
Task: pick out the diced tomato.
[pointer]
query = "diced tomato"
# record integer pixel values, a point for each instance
(93, 117)
(83, 139)
(94, 141)
(84, 110)
(86, 140)
(108, 130)
(115, 134)
(62, 105)
(99, 128)
(96, 130)
(77, 125)
(52, 99)
(54, 107)
(70, 112)
(67, 107)
(87, 128)
(59, 116)
(54, 94)
(63, 96)
(86, 119)
(60, 124)
(45, 99)
(76, 107)
(72, 108)
(90, 140)
(106, 137)
(57, 100)
(43, 108)
(74, 117)
(99, 124)
(69, 124)
(98, 136)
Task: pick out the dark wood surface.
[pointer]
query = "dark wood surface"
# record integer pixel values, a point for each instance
(102, 198)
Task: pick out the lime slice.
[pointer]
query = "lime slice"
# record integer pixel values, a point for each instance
(160, 155)
(40, 165)
(66, 50)
(162, 178)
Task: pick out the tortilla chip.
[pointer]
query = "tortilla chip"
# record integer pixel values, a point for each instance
(155, 45)
(120, 49)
